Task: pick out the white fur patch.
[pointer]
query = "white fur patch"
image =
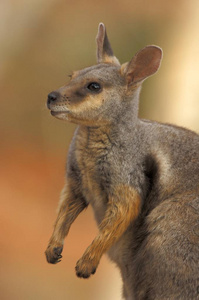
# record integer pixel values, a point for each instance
(164, 165)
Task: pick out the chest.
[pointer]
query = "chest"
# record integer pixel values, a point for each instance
(93, 159)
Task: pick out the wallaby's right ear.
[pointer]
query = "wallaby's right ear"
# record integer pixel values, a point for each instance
(104, 50)
(144, 64)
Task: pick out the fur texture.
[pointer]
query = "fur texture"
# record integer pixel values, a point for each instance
(140, 177)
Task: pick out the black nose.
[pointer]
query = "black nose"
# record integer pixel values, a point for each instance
(52, 97)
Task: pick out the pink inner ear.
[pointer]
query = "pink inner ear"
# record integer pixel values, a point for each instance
(144, 64)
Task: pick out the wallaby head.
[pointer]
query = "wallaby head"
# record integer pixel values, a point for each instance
(100, 94)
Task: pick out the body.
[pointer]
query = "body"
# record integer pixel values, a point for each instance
(167, 230)
(140, 177)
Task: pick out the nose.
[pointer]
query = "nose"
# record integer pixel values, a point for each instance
(52, 97)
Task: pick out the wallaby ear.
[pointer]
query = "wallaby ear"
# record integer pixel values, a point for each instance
(104, 50)
(144, 64)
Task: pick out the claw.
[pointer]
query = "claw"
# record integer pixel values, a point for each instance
(85, 268)
(56, 262)
(53, 254)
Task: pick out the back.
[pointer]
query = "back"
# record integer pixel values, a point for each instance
(165, 247)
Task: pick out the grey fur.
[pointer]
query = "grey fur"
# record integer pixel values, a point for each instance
(158, 255)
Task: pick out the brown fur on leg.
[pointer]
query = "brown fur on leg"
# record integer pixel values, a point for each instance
(69, 208)
(123, 208)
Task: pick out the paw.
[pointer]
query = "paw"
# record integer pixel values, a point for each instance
(85, 268)
(53, 254)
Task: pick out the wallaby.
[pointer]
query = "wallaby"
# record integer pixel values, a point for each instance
(140, 177)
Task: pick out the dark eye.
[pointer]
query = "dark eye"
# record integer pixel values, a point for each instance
(94, 87)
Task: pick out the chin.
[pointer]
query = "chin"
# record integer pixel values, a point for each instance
(60, 115)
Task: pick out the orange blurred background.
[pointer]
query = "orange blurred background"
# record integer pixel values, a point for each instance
(42, 41)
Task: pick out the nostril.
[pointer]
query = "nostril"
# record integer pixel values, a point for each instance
(53, 96)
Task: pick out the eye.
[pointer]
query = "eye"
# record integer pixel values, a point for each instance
(94, 87)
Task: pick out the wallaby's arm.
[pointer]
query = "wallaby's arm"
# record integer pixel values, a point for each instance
(71, 205)
(122, 209)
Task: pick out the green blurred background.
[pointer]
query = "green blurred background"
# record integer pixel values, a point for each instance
(41, 42)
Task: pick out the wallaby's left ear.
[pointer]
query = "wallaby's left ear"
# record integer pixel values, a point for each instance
(144, 64)
(104, 50)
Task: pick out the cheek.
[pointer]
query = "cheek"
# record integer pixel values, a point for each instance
(89, 103)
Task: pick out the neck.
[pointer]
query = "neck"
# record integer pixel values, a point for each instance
(121, 129)
(127, 118)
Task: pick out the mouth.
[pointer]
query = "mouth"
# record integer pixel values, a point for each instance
(56, 113)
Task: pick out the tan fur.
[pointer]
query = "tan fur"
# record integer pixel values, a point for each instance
(124, 202)
(67, 212)
(123, 68)
(111, 60)
(74, 74)
(88, 102)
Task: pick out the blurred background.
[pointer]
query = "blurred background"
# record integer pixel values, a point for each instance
(41, 43)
